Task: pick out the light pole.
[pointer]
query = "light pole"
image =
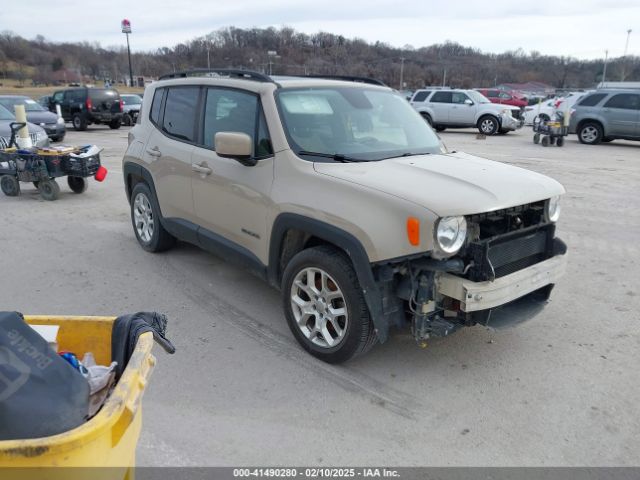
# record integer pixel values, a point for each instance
(624, 57)
(604, 71)
(126, 29)
(272, 54)
(402, 59)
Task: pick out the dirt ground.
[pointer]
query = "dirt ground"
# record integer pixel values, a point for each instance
(559, 390)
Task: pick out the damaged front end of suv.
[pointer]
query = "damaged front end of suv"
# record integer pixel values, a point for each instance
(494, 269)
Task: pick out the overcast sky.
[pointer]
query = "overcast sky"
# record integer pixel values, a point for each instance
(580, 28)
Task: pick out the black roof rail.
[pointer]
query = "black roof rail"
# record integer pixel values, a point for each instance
(350, 78)
(222, 72)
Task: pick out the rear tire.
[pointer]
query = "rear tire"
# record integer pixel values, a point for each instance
(545, 141)
(317, 283)
(590, 133)
(49, 189)
(79, 122)
(560, 141)
(114, 124)
(440, 128)
(145, 218)
(536, 138)
(127, 121)
(77, 184)
(10, 185)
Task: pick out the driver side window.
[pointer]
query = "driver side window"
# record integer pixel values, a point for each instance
(459, 97)
(229, 110)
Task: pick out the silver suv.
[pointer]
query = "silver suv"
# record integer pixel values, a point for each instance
(443, 108)
(340, 195)
(606, 115)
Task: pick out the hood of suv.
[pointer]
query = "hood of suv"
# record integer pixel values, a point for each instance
(448, 184)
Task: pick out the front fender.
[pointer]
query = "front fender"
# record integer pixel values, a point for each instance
(342, 239)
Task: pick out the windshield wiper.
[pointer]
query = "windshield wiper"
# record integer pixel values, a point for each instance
(406, 154)
(338, 157)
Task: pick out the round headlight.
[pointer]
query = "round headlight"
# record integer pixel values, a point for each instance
(553, 209)
(450, 234)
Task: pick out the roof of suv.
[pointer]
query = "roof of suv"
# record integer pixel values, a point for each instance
(258, 82)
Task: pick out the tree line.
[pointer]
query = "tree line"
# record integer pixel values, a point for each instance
(284, 51)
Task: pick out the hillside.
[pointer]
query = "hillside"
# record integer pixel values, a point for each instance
(40, 61)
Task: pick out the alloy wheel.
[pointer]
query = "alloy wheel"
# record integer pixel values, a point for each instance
(319, 307)
(143, 217)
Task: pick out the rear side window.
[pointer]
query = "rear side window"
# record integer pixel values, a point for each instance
(155, 106)
(628, 101)
(441, 97)
(103, 95)
(492, 94)
(180, 113)
(421, 96)
(592, 100)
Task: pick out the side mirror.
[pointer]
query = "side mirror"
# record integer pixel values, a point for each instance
(236, 145)
(468, 101)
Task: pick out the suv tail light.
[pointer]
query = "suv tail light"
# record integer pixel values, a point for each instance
(121, 105)
(89, 104)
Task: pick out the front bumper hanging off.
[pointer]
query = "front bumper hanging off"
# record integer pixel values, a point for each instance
(474, 296)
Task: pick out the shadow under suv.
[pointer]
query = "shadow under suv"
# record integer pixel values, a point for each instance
(607, 115)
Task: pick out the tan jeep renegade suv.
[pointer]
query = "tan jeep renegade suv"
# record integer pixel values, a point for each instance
(340, 195)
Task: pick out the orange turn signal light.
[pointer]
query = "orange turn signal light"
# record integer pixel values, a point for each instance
(413, 231)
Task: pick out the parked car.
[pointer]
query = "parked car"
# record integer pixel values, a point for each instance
(44, 101)
(131, 108)
(283, 176)
(83, 106)
(444, 108)
(546, 109)
(606, 115)
(38, 136)
(37, 114)
(504, 98)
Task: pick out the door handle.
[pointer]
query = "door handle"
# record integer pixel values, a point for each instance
(202, 168)
(154, 152)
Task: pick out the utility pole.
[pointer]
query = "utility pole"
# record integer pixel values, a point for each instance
(624, 57)
(126, 29)
(444, 77)
(604, 71)
(208, 60)
(402, 59)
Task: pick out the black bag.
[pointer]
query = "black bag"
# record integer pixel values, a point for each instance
(40, 393)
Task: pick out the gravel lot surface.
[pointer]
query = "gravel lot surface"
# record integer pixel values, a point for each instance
(562, 389)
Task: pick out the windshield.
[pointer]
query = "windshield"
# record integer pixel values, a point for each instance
(6, 114)
(131, 99)
(358, 123)
(478, 97)
(29, 105)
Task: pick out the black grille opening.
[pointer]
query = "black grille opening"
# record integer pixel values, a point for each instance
(505, 254)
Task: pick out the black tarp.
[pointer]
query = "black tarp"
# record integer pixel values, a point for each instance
(40, 393)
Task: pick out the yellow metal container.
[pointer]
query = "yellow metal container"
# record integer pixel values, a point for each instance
(107, 440)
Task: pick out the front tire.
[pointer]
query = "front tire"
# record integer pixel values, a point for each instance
(49, 189)
(77, 184)
(590, 133)
(324, 305)
(145, 217)
(488, 125)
